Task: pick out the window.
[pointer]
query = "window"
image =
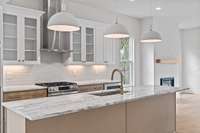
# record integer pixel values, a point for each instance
(127, 60)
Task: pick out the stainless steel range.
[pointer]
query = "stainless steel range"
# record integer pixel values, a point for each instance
(60, 88)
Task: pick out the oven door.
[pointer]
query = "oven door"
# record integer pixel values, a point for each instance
(109, 86)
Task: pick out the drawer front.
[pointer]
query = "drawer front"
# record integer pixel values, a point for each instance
(89, 88)
(13, 96)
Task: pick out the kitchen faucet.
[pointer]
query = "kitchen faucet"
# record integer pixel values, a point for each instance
(121, 78)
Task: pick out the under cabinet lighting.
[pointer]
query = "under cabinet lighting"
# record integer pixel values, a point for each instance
(158, 8)
(99, 68)
(11, 69)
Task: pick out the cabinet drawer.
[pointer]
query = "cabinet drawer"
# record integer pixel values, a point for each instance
(13, 96)
(88, 88)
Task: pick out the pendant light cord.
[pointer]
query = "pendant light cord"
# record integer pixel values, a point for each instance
(65, 5)
(116, 20)
(151, 27)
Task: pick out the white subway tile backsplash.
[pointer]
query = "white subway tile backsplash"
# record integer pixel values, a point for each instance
(26, 75)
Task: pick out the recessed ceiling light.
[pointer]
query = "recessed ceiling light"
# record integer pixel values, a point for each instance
(131, 0)
(158, 8)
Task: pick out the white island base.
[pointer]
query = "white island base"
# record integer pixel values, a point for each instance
(156, 114)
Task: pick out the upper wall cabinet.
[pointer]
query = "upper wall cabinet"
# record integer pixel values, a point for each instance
(89, 45)
(83, 44)
(20, 35)
(106, 48)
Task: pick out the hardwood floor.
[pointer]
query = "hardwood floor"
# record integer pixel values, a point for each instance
(188, 113)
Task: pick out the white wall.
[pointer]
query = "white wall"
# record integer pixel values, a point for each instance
(147, 56)
(56, 71)
(170, 48)
(191, 58)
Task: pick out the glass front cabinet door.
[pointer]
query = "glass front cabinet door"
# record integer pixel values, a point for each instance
(21, 35)
(83, 46)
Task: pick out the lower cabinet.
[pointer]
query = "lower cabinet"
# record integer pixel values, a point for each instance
(88, 88)
(156, 114)
(21, 95)
(152, 115)
(109, 119)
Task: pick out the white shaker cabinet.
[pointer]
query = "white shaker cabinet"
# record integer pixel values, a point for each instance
(105, 48)
(99, 46)
(83, 45)
(109, 51)
(20, 35)
(89, 45)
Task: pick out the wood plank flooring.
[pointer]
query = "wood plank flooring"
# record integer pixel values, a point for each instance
(188, 113)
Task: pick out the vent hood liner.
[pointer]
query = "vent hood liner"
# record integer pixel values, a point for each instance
(52, 40)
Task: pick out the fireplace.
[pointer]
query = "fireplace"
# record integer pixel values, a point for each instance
(167, 81)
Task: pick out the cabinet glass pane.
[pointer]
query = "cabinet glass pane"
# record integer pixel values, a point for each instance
(76, 46)
(30, 39)
(30, 55)
(10, 55)
(9, 37)
(76, 57)
(89, 44)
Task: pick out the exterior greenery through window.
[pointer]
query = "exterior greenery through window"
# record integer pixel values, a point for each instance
(126, 60)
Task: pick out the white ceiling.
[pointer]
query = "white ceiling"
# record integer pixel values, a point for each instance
(142, 8)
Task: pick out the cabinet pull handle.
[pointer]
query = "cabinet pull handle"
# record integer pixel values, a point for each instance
(19, 60)
(22, 60)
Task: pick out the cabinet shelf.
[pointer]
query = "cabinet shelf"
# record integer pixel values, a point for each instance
(10, 37)
(30, 39)
(74, 52)
(30, 27)
(9, 24)
(30, 51)
(89, 44)
(77, 43)
(90, 35)
(90, 53)
(6, 49)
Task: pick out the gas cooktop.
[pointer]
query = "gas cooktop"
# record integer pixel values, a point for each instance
(60, 88)
(52, 84)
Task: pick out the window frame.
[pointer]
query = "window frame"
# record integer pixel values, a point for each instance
(130, 61)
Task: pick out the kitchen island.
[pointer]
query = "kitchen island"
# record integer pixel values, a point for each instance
(143, 109)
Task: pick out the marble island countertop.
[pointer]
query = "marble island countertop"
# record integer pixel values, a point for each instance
(36, 109)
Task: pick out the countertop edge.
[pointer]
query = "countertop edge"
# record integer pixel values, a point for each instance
(90, 107)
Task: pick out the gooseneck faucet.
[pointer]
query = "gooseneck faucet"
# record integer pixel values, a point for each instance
(121, 78)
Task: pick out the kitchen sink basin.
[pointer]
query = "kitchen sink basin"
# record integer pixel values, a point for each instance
(108, 93)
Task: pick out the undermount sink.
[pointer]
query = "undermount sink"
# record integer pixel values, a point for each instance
(107, 93)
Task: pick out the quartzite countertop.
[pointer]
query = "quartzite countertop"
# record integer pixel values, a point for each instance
(36, 109)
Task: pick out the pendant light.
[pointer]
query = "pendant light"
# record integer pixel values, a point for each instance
(151, 36)
(63, 21)
(116, 31)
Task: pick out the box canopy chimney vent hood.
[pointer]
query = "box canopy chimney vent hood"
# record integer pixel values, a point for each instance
(54, 41)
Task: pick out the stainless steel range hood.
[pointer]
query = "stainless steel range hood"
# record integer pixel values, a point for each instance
(54, 41)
